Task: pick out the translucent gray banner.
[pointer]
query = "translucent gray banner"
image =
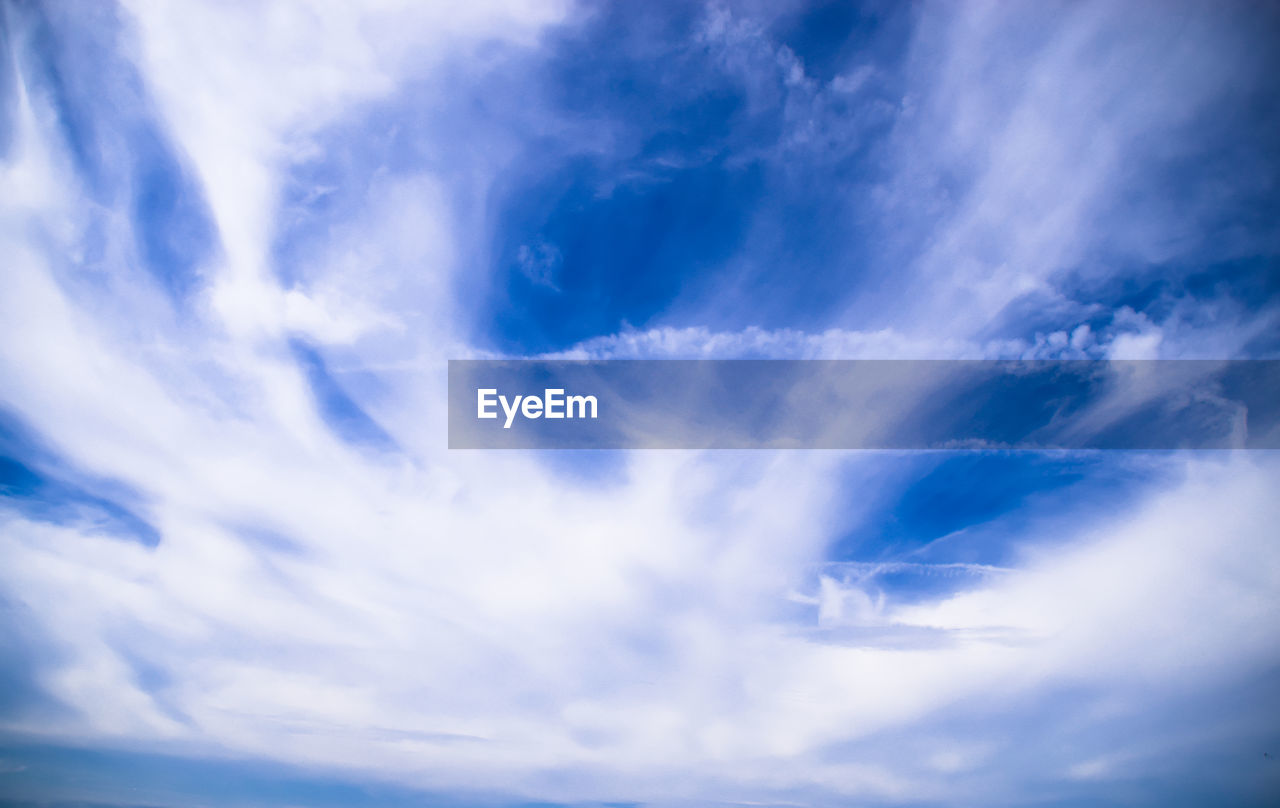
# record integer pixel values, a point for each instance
(864, 404)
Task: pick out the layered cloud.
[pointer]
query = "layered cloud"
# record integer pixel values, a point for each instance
(241, 241)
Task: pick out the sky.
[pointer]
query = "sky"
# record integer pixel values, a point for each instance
(239, 242)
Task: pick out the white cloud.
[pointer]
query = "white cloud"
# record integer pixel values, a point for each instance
(1027, 138)
(474, 620)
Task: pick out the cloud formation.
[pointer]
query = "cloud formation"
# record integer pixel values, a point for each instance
(240, 242)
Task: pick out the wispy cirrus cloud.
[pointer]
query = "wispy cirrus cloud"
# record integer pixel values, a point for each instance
(242, 241)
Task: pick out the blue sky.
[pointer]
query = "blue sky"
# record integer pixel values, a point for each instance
(240, 242)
